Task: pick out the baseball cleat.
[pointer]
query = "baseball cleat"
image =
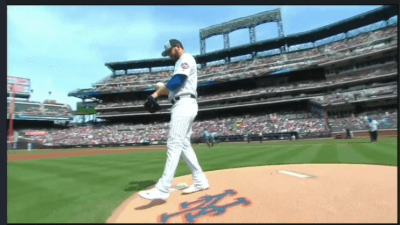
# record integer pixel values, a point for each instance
(195, 188)
(153, 194)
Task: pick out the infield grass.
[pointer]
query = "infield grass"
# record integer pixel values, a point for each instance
(87, 189)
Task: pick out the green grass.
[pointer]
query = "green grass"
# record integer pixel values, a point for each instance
(40, 151)
(87, 189)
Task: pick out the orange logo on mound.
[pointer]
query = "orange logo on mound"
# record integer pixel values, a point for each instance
(205, 205)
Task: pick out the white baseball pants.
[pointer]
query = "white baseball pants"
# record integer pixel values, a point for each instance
(183, 113)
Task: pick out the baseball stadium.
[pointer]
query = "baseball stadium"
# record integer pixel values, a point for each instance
(283, 133)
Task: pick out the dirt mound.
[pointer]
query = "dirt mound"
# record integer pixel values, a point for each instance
(316, 193)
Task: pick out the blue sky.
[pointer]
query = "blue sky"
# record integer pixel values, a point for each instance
(62, 48)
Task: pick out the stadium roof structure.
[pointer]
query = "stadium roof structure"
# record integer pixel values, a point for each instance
(203, 58)
(364, 19)
(84, 93)
(145, 63)
(240, 23)
(18, 95)
(343, 26)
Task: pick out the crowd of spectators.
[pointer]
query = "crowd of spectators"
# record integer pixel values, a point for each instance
(271, 122)
(40, 109)
(357, 95)
(291, 86)
(361, 44)
(136, 78)
(386, 120)
(301, 122)
(361, 38)
(304, 54)
(129, 133)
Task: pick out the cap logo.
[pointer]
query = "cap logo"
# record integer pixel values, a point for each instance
(167, 45)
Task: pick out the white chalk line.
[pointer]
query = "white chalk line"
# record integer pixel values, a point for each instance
(177, 187)
(295, 174)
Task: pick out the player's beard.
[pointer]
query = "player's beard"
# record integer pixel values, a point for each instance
(175, 56)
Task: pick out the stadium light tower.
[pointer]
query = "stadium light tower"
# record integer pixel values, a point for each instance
(10, 128)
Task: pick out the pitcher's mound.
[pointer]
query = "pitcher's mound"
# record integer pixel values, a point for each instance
(316, 193)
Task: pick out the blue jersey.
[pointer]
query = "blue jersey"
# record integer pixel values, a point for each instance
(205, 134)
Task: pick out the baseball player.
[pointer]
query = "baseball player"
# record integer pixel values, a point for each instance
(348, 126)
(212, 137)
(206, 137)
(181, 91)
(373, 129)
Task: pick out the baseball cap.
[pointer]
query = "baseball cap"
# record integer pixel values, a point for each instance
(170, 44)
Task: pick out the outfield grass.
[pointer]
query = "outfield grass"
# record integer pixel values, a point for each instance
(37, 151)
(87, 189)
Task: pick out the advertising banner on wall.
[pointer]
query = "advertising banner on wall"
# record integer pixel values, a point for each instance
(36, 133)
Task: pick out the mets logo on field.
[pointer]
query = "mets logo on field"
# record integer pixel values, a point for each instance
(185, 66)
(204, 206)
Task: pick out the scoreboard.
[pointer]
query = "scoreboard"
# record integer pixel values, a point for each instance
(23, 86)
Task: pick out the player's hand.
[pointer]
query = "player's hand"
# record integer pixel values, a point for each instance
(152, 105)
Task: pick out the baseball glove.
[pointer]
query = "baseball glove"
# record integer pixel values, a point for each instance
(152, 105)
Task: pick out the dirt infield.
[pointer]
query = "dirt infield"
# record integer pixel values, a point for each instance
(76, 153)
(307, 193)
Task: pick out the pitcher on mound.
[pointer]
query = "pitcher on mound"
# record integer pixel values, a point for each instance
(181, 91)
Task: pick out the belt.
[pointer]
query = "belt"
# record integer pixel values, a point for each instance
(179, 97)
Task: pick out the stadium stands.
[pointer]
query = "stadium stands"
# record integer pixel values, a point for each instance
(364, 93)
(274, 122)
(358, 67)
(357, 75)
(386, 120)
(361, 44)
(28, 108)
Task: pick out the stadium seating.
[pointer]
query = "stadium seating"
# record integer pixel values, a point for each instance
(271, 122)
(386, 120)
(57, 110)
(361, 44)
(27, 108)
(359, 74)
(363, 93)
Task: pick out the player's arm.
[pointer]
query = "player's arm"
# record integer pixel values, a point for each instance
(174, 83)
(161, 91)
(181, 74)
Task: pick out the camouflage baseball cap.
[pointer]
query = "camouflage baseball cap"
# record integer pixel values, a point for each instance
(170, 44)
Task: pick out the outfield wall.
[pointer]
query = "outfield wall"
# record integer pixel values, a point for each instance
(22, 144)
(365, 134)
